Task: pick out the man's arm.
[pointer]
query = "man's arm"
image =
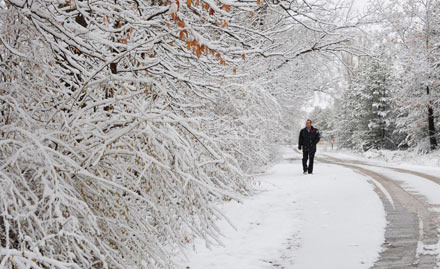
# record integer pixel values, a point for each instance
(300, 142)
(318, 136)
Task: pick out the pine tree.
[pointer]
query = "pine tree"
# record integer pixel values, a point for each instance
(366, 112)
(323, 119)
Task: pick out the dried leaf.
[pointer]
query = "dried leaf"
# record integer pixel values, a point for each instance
(182, 34)
(226, 7)
(181, 23)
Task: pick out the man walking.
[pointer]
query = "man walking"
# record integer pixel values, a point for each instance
(308, 138)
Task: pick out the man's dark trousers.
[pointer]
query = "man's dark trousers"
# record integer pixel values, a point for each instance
(310, 155)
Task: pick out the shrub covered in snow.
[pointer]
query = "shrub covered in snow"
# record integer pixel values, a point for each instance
(123, 122)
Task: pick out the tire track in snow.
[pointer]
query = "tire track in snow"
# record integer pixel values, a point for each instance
(411, 225)
(383, 191)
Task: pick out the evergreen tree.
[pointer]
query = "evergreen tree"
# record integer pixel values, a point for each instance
(323, 119)
(366, 112)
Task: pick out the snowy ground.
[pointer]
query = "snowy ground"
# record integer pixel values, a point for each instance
(414, 186)
(331, 219)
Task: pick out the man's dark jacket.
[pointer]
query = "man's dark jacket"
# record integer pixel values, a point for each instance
(308, 140)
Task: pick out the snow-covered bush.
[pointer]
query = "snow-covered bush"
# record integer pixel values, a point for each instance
(122, 123)
(105, 162)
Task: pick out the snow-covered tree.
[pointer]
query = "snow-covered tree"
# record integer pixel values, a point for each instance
(122, 123)
(324, 119)
(414, 27)
(366, 118)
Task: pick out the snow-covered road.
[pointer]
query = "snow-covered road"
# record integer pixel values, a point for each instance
(347, 215)
(411, 200)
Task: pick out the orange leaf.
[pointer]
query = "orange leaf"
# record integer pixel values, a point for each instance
(188, 45)
(211, 12)
(217, 55)
(226, 7)
(235, 70)
(243, 56)
(181, 24)
(182, 34)
(252, 14)
(188, 3)
(224, 24)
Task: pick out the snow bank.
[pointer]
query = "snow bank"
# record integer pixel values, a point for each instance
(431, 159)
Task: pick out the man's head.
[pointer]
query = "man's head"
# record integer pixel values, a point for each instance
(308, 123)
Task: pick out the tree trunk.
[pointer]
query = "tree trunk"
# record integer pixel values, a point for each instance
(431, 126)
